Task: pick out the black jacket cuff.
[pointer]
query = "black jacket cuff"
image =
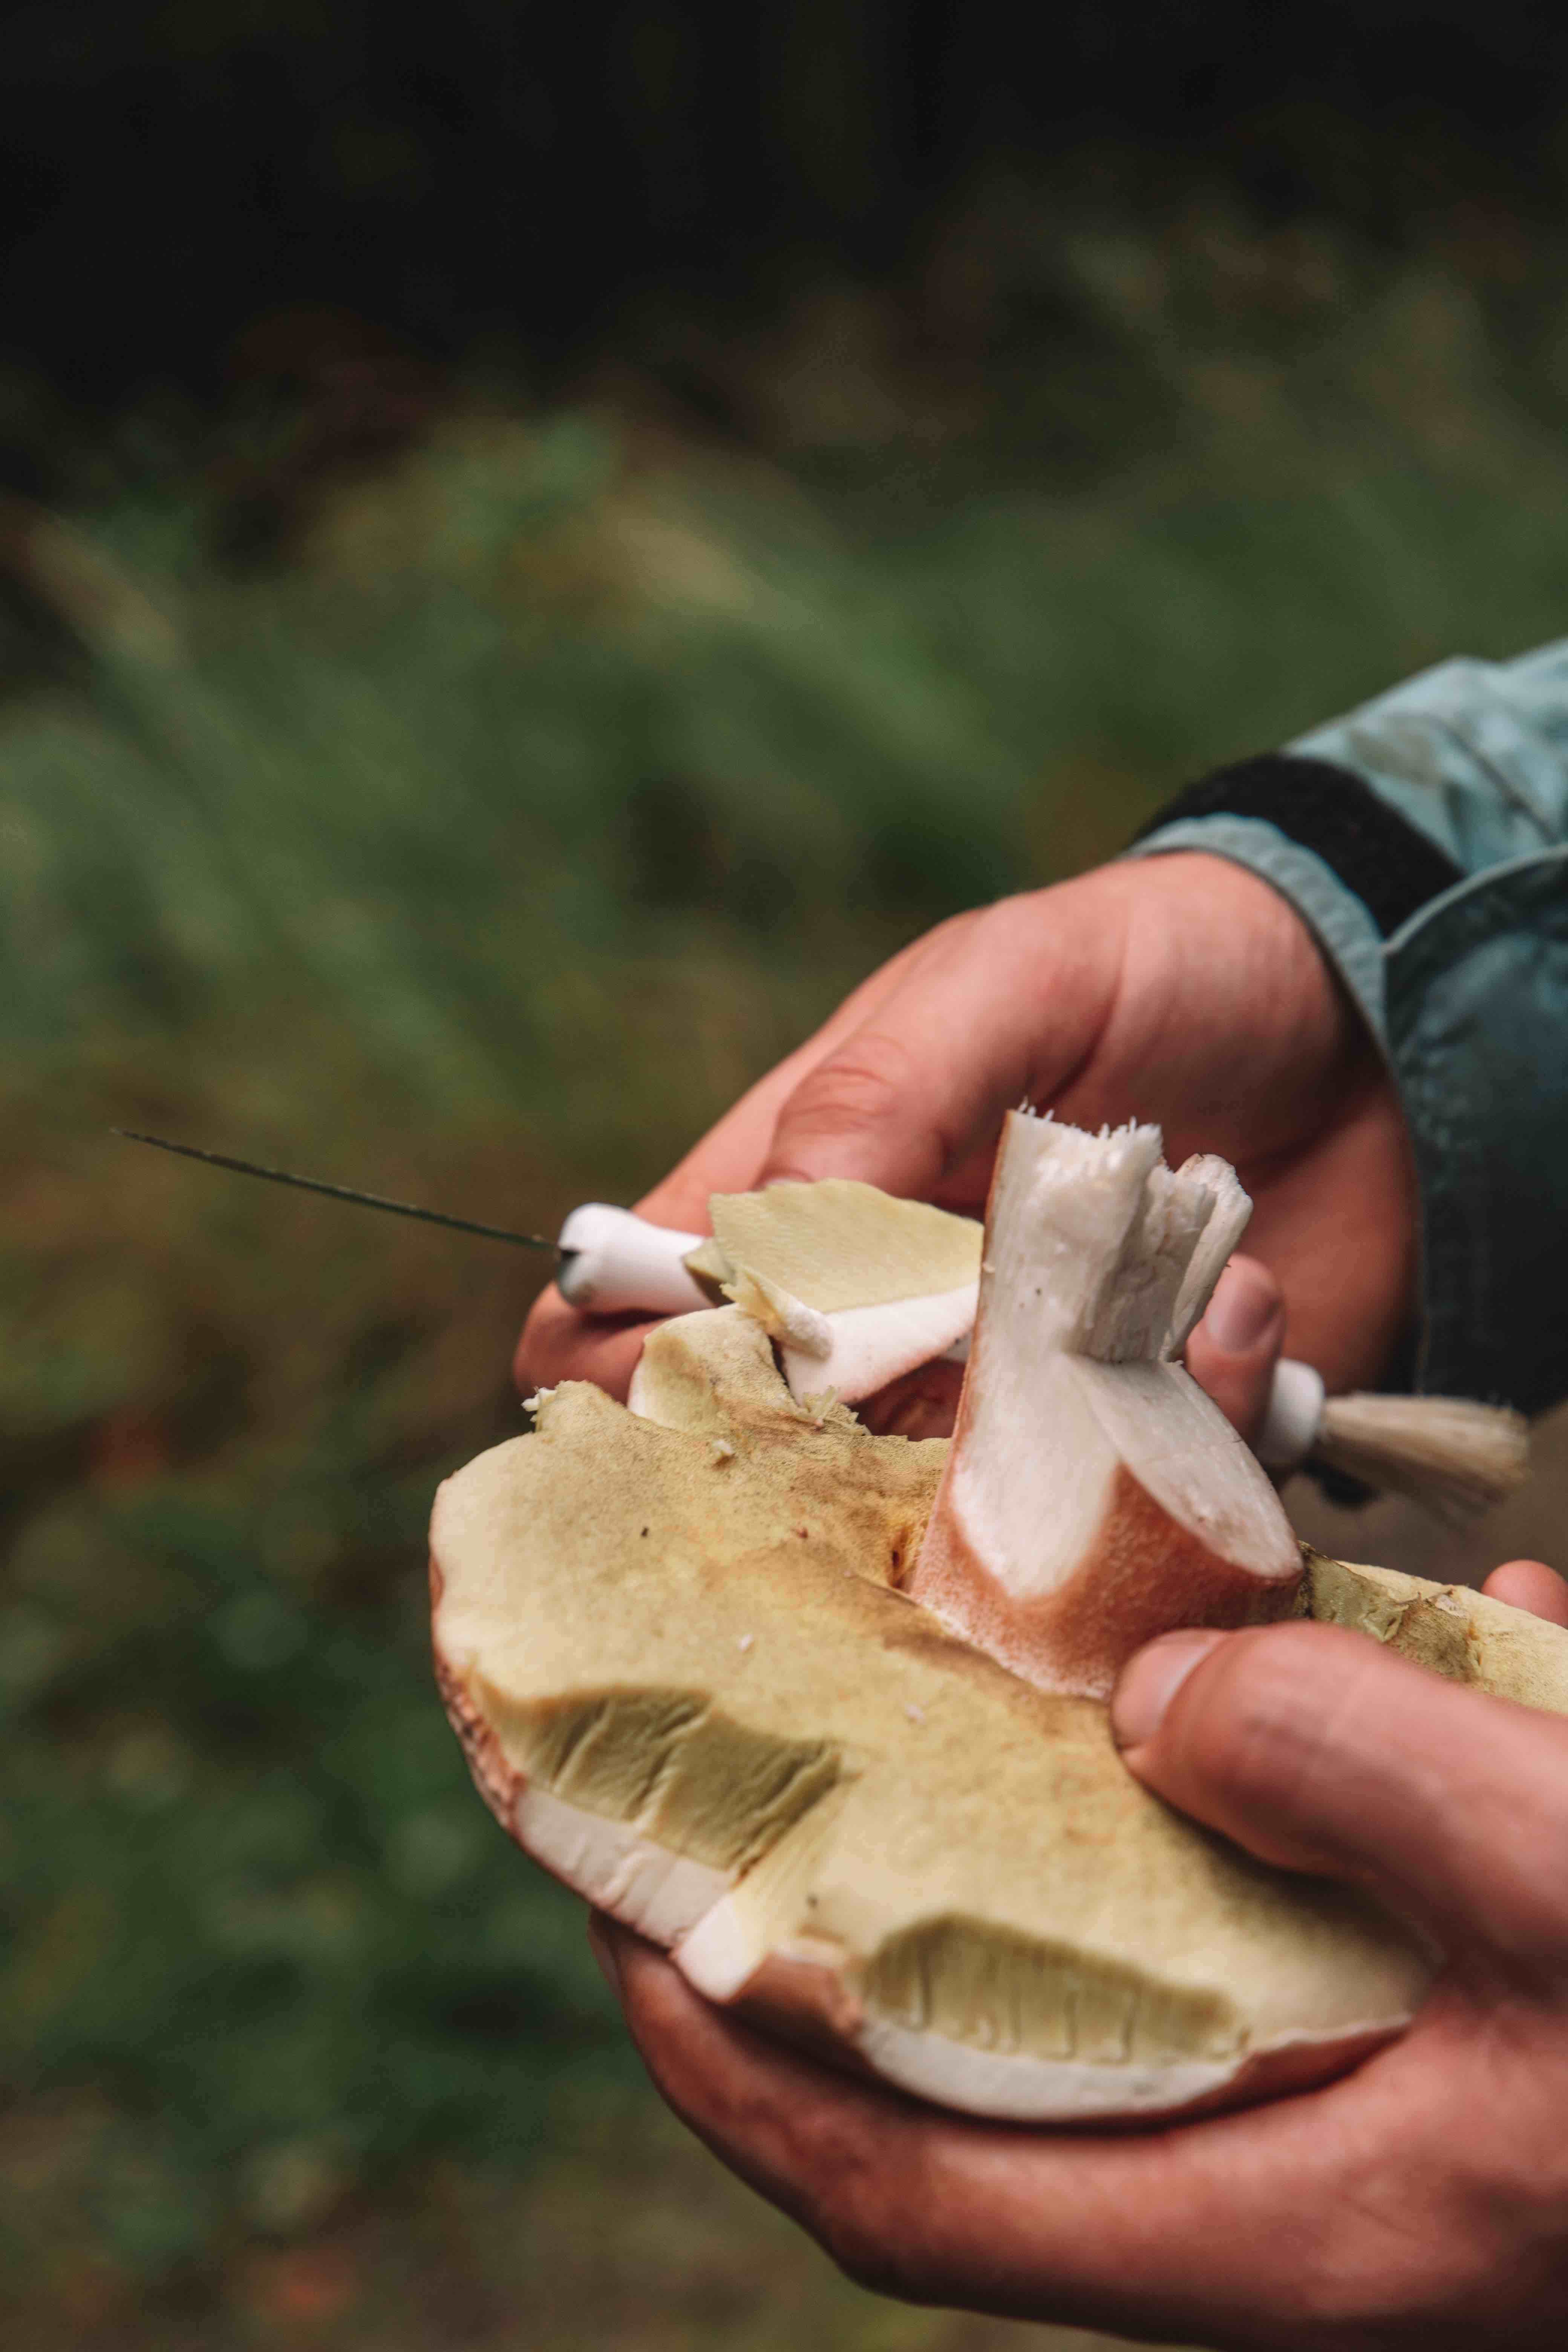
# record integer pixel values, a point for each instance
(1392, 867)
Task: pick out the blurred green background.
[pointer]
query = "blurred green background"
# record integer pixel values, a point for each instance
(460, 773)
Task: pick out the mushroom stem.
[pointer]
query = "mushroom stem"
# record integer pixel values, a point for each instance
(1094, 1497)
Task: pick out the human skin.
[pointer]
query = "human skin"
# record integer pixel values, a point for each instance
(1422, 2199)
(1180, 989)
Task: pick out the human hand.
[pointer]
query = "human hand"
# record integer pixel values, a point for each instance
(1423, 2199)
(1180, 989)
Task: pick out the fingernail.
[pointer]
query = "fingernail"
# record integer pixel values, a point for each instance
(1244, 1305)
(603, 1952)
(1151, 1681)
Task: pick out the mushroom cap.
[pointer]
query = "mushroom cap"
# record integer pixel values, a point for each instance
(676, 1648)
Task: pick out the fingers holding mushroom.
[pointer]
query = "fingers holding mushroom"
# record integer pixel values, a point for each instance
(1531, 1585)
(1233, 1350)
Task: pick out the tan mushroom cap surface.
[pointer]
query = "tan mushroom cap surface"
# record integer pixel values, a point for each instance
(676, 1651)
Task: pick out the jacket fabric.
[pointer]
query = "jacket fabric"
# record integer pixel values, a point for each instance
(1423, 838)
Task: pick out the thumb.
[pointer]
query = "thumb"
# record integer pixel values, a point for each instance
(1318, 1749)
(997, 1007)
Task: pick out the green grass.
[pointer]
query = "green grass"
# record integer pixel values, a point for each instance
(539, 703)
(481, 852)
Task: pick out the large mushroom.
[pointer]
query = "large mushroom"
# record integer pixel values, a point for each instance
(680, 1650)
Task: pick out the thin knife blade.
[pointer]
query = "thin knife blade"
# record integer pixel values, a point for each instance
(337, 1192)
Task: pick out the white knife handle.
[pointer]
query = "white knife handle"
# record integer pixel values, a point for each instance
(613, 1261)
(1294, 1418)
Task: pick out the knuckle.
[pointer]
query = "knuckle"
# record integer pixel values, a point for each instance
(849, 1092)
(1010, 927)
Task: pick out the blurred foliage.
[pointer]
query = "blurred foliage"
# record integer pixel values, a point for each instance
(531, 179)
(555, 691)
(476, 830)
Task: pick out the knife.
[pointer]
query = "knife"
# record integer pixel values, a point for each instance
(1455, 1456)
(608, 1260)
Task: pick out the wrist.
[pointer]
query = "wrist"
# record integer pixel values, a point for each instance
(1334, 813)
(1219, 948)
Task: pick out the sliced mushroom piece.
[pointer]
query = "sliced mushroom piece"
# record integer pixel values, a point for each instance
(856, 1288)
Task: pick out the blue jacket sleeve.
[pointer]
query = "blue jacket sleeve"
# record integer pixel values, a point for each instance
(1423, 840)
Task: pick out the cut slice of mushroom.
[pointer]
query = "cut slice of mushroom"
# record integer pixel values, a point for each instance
(856, 1288)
